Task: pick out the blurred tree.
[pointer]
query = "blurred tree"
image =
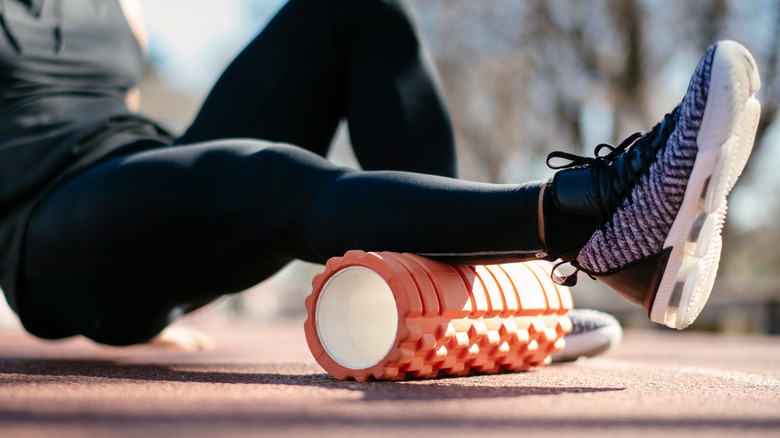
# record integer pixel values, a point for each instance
(520, 75)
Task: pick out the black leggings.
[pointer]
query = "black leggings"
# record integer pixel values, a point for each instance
(123, 248)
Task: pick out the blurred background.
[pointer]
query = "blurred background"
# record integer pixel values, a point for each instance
(523, 78)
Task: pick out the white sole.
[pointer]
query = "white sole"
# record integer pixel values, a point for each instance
(724, 142)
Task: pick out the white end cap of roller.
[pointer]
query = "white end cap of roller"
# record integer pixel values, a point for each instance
(357, 318)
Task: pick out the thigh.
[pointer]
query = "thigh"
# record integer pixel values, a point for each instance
(115, 251)
(320, 61)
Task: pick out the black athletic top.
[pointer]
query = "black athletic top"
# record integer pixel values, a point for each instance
(65, 67)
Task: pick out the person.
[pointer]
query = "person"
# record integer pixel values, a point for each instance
(112, 227)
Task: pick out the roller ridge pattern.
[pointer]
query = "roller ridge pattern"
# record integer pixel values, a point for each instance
(491, 319)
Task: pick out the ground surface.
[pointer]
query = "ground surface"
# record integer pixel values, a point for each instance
(260, 379)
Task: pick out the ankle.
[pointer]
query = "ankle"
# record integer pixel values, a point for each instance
(564, 232)
(540, 214)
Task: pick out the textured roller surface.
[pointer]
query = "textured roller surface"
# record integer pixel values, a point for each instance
(451, 320)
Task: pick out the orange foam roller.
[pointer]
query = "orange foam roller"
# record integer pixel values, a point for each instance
(388, 316)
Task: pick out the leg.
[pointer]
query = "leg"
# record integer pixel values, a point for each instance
(318, 62)
(118, 249)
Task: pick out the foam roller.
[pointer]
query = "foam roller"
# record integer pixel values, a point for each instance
(390, 316)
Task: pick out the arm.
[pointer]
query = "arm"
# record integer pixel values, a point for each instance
(183, 338)
(135, 18)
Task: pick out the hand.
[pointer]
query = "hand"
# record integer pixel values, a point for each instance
(182, 338)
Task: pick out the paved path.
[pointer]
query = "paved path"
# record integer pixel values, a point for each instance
(261, 379)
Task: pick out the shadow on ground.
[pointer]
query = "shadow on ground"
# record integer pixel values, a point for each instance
(104, 371)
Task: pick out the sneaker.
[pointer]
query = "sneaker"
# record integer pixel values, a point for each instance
(660, 198)
(592, 334)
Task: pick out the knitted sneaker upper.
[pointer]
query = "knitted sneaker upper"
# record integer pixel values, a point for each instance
(640, 224)
(588, 320)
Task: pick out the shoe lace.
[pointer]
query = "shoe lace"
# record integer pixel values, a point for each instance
(566, 280)
(643, 149)
(600, 165)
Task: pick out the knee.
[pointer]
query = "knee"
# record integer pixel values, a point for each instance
(368, 15)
